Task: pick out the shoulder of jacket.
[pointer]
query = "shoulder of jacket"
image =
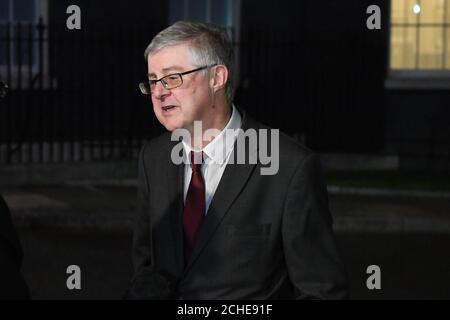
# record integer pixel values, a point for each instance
(157, 144)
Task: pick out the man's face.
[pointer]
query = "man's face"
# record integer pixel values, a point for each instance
(179, 107)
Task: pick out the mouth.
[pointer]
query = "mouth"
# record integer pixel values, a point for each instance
(168, 108)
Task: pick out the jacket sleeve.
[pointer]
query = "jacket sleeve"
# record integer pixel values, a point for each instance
(314, 265)
(146, 282)
(12, 284)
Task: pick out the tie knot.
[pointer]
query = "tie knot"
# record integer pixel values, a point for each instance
(196, 160)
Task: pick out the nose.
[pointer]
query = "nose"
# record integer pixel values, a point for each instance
(159, 91)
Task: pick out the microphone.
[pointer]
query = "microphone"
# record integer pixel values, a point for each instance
(3, 89)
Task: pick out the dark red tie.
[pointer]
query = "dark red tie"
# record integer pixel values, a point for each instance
(194, 207)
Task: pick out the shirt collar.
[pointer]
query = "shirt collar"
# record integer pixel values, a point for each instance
(221, 146)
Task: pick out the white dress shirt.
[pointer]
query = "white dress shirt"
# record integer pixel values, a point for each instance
(216, 155)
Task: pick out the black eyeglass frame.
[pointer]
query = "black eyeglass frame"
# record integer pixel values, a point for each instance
(165, 84)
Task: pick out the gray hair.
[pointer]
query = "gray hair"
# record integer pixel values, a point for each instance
(209, 44)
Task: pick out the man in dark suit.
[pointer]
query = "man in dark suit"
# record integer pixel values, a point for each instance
(214, 222)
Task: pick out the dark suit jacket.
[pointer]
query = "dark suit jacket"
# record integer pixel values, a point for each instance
(264, 236)
(12, 285)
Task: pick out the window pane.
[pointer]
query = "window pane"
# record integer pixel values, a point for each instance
(431, 11)
(431, 47)
(397, 13)
(24, 10)
(408, 11)
(403, 48)
(402, 11)
(447, 55)
(4, 10)
(447, 11)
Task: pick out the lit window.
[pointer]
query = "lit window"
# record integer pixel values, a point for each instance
(420, 35)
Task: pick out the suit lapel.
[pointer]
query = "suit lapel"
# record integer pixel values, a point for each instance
(230, 186)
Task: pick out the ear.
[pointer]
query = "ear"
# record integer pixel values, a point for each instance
(219, 78)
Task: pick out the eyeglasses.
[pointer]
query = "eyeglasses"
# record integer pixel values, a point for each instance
(170, 81)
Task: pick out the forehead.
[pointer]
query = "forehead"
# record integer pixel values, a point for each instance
(170, 58)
